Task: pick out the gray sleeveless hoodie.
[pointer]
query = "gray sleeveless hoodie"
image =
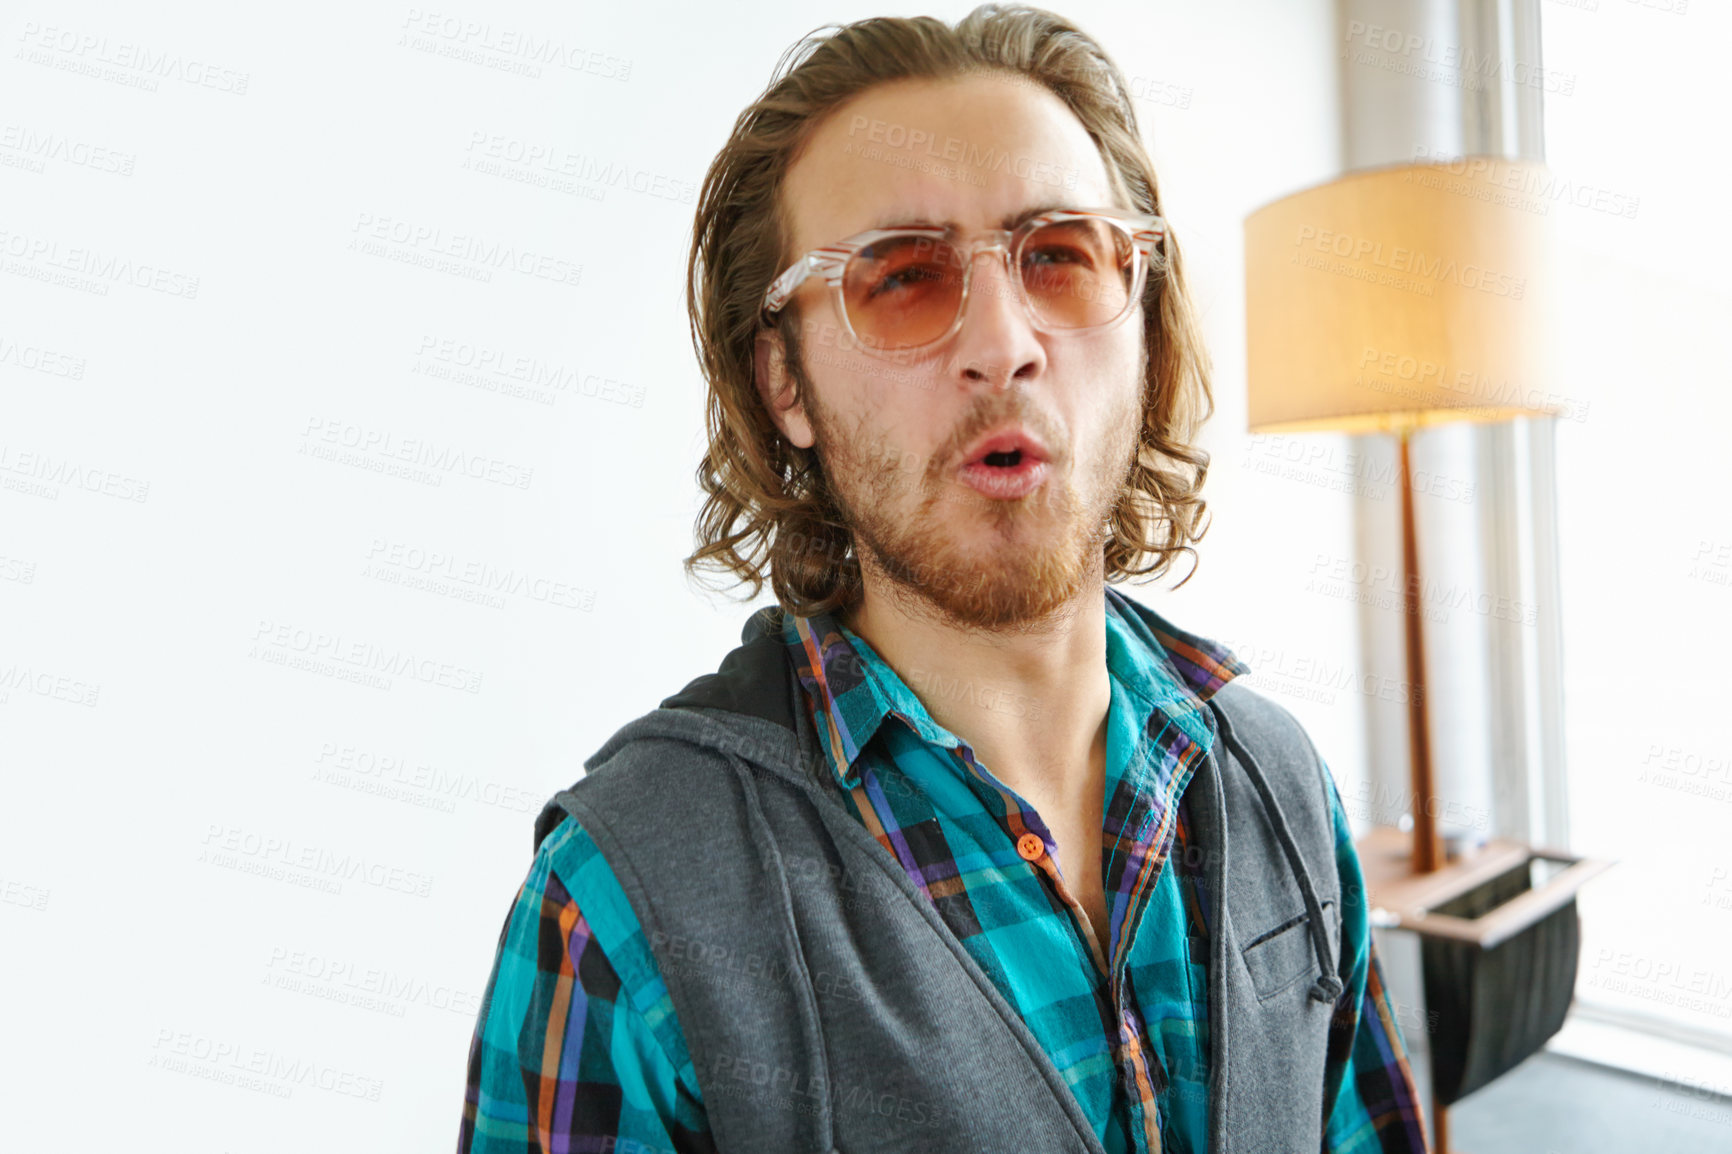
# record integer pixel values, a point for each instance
(826, 1005)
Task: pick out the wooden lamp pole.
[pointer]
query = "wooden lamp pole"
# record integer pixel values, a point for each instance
(1427, 849)
(1427, 854)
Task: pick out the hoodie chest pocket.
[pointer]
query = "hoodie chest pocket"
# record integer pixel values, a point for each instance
(1284, 955)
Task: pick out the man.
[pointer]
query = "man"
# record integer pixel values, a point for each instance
(961, 849)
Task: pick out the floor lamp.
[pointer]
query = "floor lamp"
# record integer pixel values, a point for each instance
(1390, 300)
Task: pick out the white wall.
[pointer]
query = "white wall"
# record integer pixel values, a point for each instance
(178, 773)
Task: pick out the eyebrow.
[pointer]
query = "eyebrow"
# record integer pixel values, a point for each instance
(898, 220)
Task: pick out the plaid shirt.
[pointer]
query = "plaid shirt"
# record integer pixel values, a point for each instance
(577, 1047)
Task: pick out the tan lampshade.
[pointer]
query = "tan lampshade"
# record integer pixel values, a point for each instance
(1402, 296)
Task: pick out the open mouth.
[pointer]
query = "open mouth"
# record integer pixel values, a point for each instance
(1006, 474)
(1006, 464)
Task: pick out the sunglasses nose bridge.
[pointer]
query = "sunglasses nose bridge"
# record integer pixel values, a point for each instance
(999, 242)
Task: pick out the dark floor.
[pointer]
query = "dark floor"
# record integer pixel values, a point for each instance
(1556, 1105)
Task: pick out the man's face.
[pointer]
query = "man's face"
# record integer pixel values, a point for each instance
(894, 436)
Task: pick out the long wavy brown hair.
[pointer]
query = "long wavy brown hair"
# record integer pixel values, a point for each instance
(767, 500)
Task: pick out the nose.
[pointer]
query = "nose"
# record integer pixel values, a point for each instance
(997, 342)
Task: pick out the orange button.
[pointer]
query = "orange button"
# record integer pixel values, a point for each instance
(1030, 846)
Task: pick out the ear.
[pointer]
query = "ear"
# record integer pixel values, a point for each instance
(776, 388)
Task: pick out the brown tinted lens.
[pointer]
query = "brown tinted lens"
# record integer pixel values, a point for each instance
(902, 292)
(1078, 273)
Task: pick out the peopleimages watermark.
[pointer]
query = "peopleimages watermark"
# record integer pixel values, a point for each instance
(312, 866)
(323, 436)
(1424, 56)
(39, 359)
(463, 254)
(16, 893)
(364, 987)
(57, 686)
(685, 954)
(1665, 980)
(791, 1086)
(1719, 888)
(1381, 804)
(510, 372)
(1309, 677)
(25, 148)
(1530, 188)
(1687, 771)
(1399, 259)
(1694, 1097)
(397, 777)
(1317, 461)
(1384, 587)
(932, 686)
(316, 651)
(88, 269)
(17, 569)
(44, 474)
(1160, 92)
(438, 571)
(506, 49)
(253, 1068)
(1408, 375)
(974, 159)
(1712, 562)
(1145, 88)
(553, 166)
(126, 63)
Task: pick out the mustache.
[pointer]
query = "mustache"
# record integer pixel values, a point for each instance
(873, 454)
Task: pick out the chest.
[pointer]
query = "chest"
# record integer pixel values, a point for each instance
(1074, 819)
(1080, 867)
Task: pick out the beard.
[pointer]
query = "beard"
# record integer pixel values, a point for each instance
(950, 554)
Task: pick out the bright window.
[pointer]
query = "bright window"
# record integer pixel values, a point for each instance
(1636, 136)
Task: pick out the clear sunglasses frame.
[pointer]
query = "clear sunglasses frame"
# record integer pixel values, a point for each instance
(1147, 232)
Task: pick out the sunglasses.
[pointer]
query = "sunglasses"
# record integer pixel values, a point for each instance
(903, 290)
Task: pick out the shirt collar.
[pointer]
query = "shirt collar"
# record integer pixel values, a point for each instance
(851, 689)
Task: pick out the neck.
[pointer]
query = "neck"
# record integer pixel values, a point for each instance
(1031, 701)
